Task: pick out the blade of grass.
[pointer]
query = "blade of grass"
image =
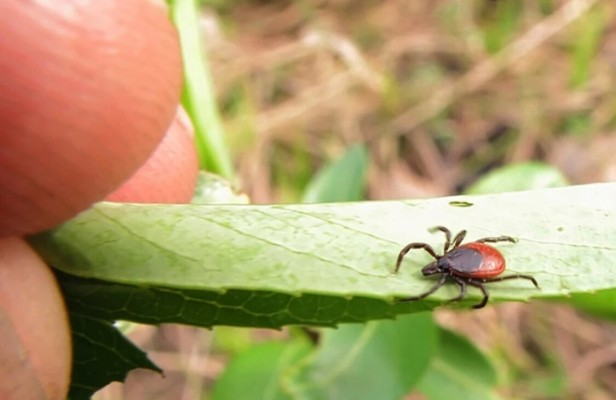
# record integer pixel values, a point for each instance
(198, 95)
(586, 40)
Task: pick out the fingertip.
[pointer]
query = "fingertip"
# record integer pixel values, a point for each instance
(88, 90)
(32, 318)
(170, 174)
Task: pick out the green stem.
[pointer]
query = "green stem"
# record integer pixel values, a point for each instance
(198, 93)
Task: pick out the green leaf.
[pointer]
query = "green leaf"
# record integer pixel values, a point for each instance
(341, 180)
(156, 305)
(599, 303)
(377, 360)
(467, 372)
(101, 355)
(324, 263)
(257, 373)
(524, 176)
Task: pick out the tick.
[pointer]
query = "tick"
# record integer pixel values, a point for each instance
(474, 264)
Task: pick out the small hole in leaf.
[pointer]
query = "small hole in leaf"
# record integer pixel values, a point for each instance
(458, 203)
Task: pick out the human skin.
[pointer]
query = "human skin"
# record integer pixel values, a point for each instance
(88, 111)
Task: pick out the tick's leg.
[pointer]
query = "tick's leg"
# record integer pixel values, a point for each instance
(447, 233)
(433, 289)
(486, 295)
(516, 276)
(462, 284)
(412, 246)
(497, 239)
(458, 239)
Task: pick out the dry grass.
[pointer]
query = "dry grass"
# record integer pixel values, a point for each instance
(416, 82)
(441, 92)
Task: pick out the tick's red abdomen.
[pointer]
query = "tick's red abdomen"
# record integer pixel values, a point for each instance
(489, 264)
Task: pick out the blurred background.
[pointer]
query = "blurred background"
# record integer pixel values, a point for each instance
(415, 99)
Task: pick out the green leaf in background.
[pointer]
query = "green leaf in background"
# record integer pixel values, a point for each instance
(341, 180)
(516, 177)
(378, 360)
(257, 373)
(601, 303)
(101, 355)
(459, 371)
